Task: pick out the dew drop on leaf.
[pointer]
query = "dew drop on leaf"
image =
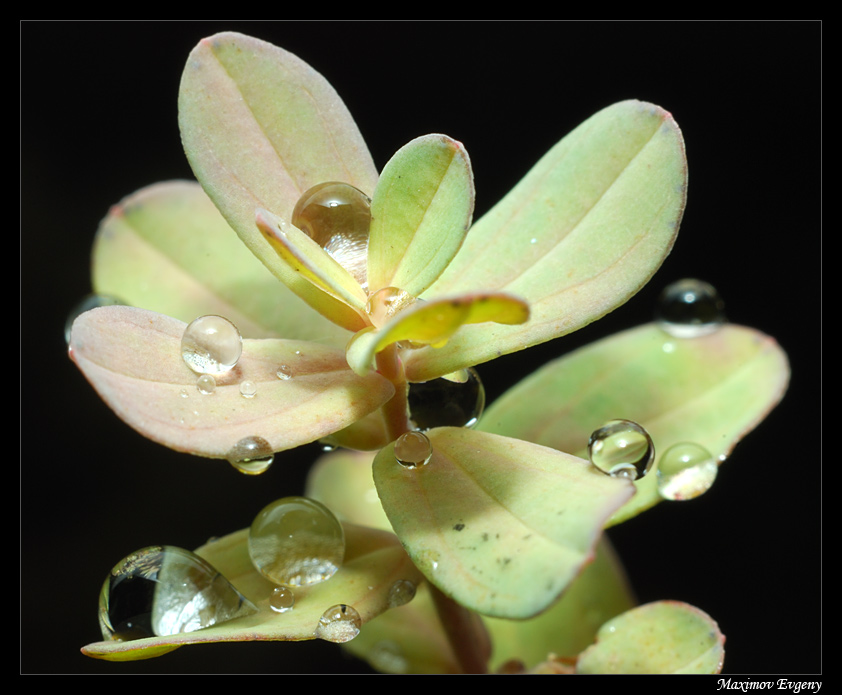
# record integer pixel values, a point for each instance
(206, 384)
(413, 449)
(251, 455)
(282, 599)
(340, 623)
(685, 471)
(337, 217)
(164, 590)
(622, 449)
(690, 308)
(296, 541)
(455, 400)
(248, 389)
(401, 593)
(386, 303)
(211, 345)
(283, 372)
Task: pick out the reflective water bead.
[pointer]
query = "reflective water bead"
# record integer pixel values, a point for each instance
(340, 623)
(211, 345)
(295, 541)
(248, 389)
(337, 217)
(401, 593)
(690, 308)
(282, 599)
(386, 303)
(164, 590)
(283, 372)
(622, 448)
(686, 471)
(413, 449)
(251, 455)
(206, 384)
(455, 400)
(92, 301)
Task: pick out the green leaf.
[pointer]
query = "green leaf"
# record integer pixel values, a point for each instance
(260, 127)
(421, 211)
(711, 390)
(576, 238)
(662, 637)
(501, 526)
(133, 359)
(374, 561)
(166, 248)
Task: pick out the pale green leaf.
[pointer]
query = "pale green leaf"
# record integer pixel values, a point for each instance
(260, 127)
(133, 359)
(374, 561)
(577, 237)
(711, 390)
(662, 637)
(502, 526)
(166, 248)
(421, 211)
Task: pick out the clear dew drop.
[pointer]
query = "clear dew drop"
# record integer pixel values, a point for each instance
(206, 384)
(401, 593)
(296, 541)
(386, 303)
(413, 449)
(283, 372)
(251, 455)
(339, 623)
(92, 301)
(686, 471)
(622, 449)
(282, 599)
(337, 217)
(164, 590)
(690, 308)
(455, 400)
(211, 345)
(248, 389)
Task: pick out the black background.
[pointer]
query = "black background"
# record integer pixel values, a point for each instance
(98, 121)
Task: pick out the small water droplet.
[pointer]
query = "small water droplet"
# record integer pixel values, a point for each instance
(455, 400)
(248, 389)
(206, 384)
(340, 623)
(282, 599)
(251, 455)
(211, 345)
(295, 541)
(284, 372)
(387, 303)
(92, 301)
(685, 471)
(401, 593)
(622, 448)
(690, 308)
(183, 393)
(337, 217)
(413, 449)
(164, 590)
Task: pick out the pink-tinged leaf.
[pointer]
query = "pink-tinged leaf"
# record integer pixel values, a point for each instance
(133, 359)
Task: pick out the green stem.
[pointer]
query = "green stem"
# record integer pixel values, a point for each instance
(466, 632)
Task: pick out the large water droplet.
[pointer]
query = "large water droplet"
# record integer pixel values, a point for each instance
(164, 590)
(690, 308)
(251, 455)
(92, 301)
(685, 471)
(387, 303)
(622, 449)
(340, 623)
(413, 449)
(456, 400)
(296, 541)
(337, 217)
(211, 345)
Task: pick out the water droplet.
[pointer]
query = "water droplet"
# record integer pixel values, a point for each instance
(248, 389)
(455, 400)
(206, 384)
(164, 590)
(282, 599)
(401, 593)
(92, 301)
(337, 217)
(387, 656)
(251, 455)
(284, 372)
(340, 623)
(386, 303)
(296, 541)
(686, 471)
(621, 448)
(690, 308)
(211, 345)
(413, 449)
(183, 393)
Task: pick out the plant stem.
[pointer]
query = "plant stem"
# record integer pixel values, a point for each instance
(465, 631)
(395, 411)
